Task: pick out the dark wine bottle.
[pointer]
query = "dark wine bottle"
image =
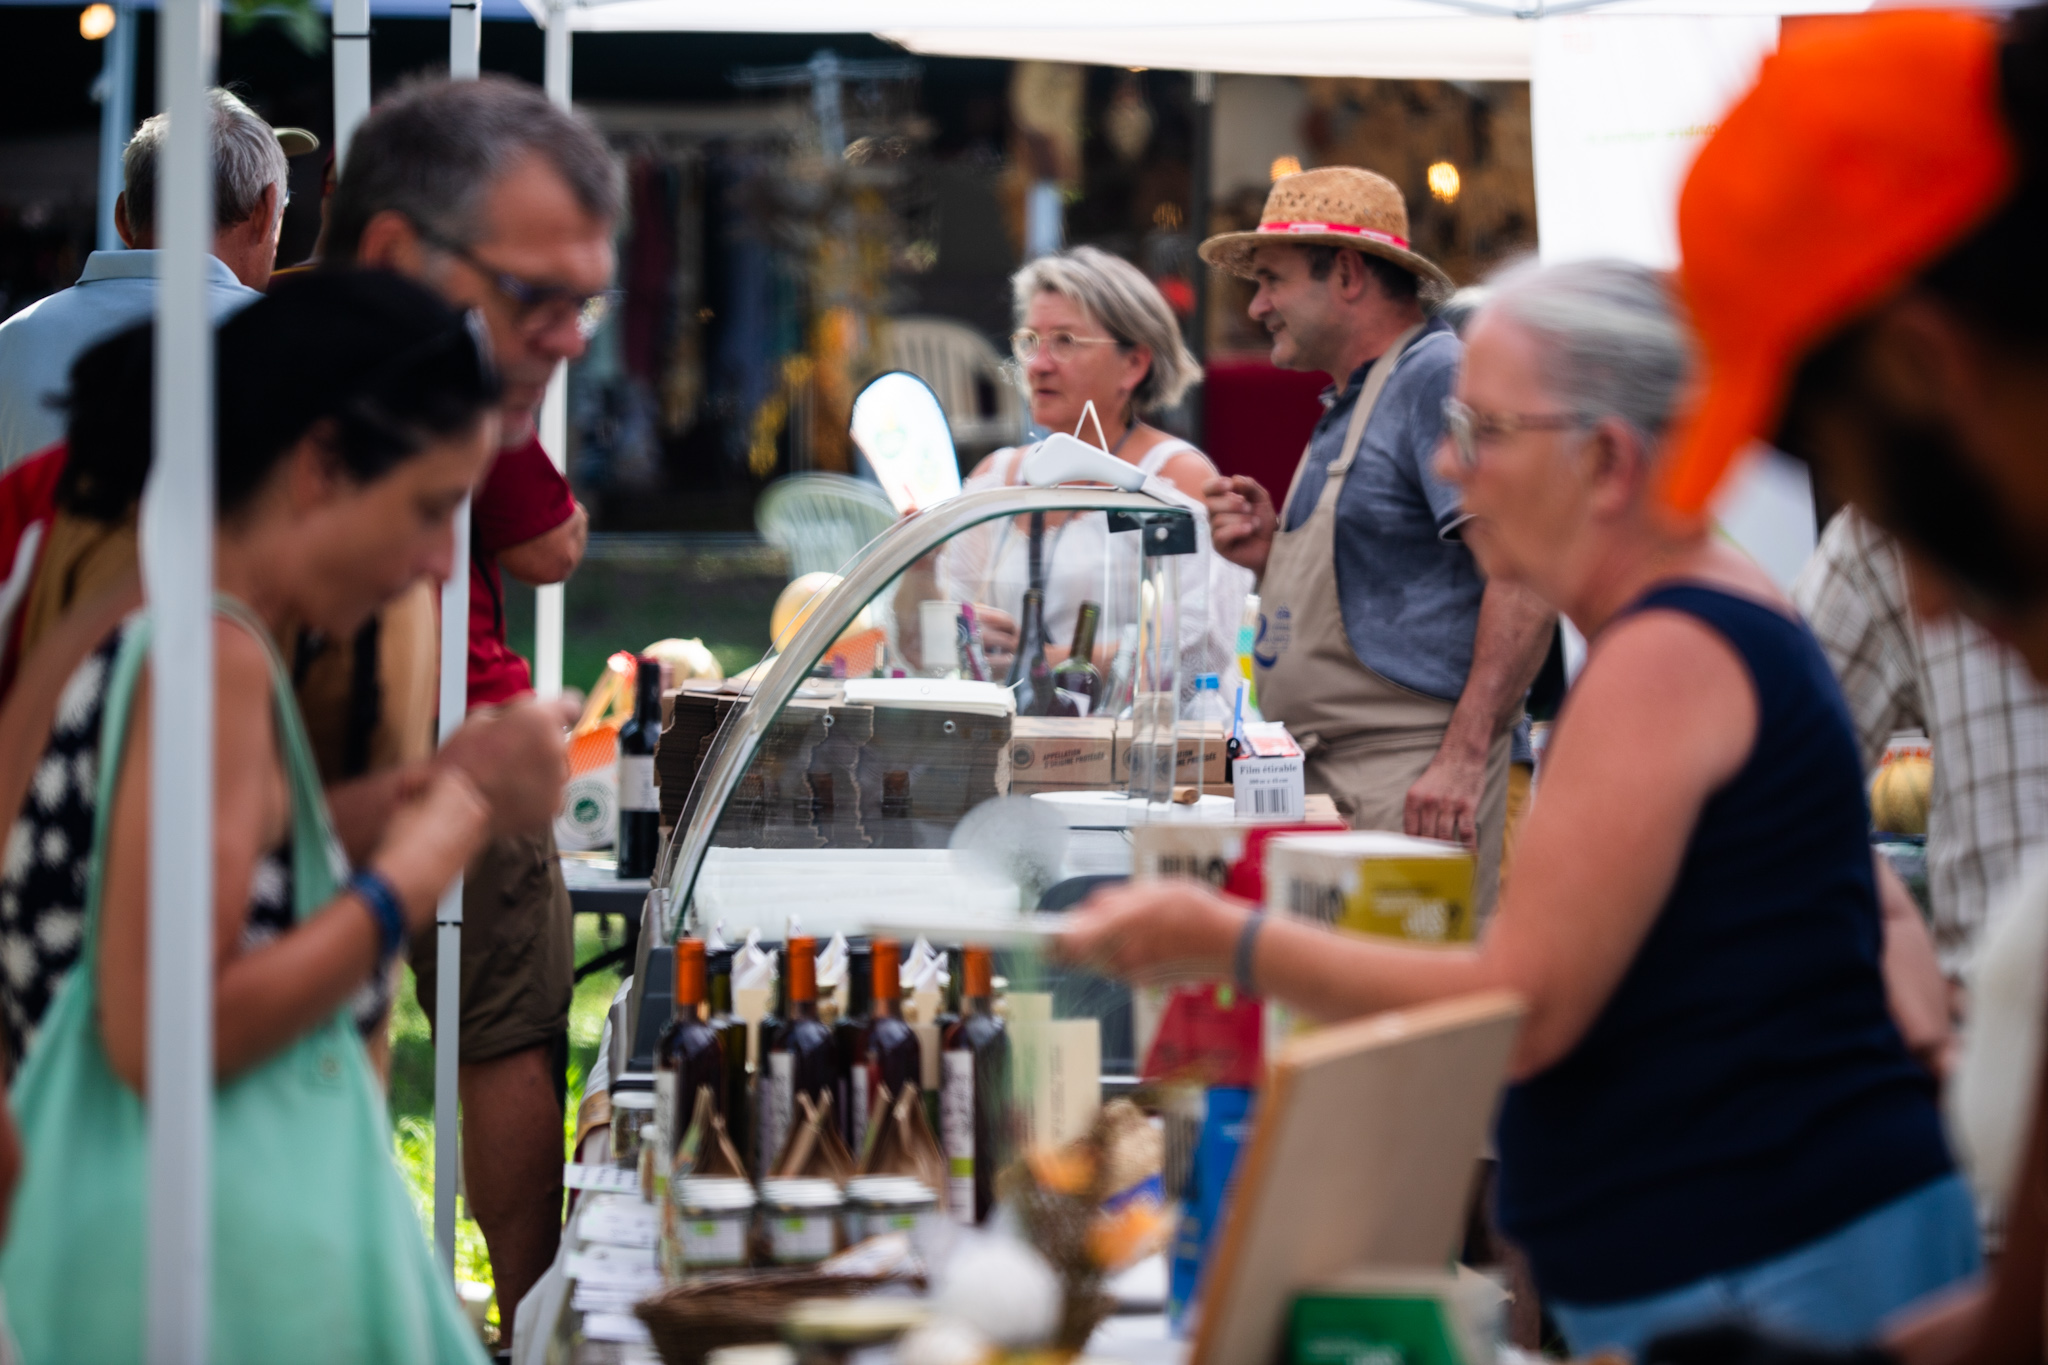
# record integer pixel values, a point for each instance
(888, 1056)
(974, 1096)
(849, 1033)
(639, 809)
(687, 1055)
(767, 1143)
(803, 1059)
(732, 1043)
(1030, 673)
(1075, 679)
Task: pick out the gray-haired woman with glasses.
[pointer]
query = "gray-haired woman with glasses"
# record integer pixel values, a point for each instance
(1712, 1112)
(1097, 349)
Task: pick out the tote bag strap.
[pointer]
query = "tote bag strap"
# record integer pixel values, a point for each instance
(316, 856)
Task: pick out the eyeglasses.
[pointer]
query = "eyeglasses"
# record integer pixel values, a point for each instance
(540, 307)
(1026, 344)
(1467, 427)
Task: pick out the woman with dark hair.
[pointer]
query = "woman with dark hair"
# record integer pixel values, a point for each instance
(354, 416)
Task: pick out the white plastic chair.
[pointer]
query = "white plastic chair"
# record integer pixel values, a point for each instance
(956, 360)
(821, 520)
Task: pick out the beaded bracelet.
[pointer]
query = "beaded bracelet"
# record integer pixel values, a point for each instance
(375, 892)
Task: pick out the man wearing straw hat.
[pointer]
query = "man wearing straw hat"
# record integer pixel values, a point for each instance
(1399, 670)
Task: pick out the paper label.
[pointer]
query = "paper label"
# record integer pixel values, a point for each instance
(636, 783)
(777, 1104)
(1269, 788)
(956, 1130)
(665, 1108)
(801, 1238)
(712, 1242)
(863, 1077)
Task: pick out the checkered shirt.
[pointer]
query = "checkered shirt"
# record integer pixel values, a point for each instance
(1986, 720)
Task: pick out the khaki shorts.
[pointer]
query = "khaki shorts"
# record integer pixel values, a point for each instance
(518, 945)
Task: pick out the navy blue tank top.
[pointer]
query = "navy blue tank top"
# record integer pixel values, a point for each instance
(1744, 1091)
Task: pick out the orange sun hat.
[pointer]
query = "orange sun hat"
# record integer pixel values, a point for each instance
(1867, 146)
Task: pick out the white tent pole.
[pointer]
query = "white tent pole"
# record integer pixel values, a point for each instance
(116, 91)
(554, 409)
(465, 39)
(351, 27)
(177, 566)
(465, 47)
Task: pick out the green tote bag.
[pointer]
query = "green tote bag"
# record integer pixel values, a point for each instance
(318, 1255)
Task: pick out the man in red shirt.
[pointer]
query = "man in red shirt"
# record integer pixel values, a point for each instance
(505, 204)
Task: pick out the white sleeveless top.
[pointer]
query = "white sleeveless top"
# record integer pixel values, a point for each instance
(1084, 562)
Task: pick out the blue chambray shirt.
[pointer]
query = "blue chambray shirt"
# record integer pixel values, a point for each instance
(38, 345)
(1408, 587)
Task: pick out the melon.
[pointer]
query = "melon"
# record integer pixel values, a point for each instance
(1899, 794)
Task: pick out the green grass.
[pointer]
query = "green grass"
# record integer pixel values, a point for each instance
(412, 1091)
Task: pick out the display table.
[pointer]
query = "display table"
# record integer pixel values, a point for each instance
(595, 888)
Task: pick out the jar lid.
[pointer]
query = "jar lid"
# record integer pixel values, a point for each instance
(633, 1099)
(714, 1194)
(802, 1194)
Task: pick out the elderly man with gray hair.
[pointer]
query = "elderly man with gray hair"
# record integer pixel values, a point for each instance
(118, 288)
(504, 204)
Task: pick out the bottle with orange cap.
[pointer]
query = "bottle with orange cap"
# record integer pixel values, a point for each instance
(687, 1055)
(883, 1051)
(974, 1092)
(802, 1059)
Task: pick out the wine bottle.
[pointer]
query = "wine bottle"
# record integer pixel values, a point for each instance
(1075, 679)
(767, 1142)
(802, 1060)
(849, 1034)
(687, 1054)
(974, 1098)
(639, 809)
(888, 1056)
(732, 1042)
(1030, 674)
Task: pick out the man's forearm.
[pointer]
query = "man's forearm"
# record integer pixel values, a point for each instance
(1508, 649)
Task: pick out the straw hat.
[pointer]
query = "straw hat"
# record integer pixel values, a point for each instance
(1331, 206)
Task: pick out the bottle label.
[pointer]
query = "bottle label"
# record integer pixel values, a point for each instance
(665, 1107)
(710, 1243)
(777, 1106)
(859, 1083)
(636, 783)
(956, 1131)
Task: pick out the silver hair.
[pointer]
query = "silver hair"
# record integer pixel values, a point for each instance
(433, 150)
(1614, 341)
(1130, 308)
(246, 161)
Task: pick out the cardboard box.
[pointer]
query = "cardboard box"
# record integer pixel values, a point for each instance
(1228, 856)
(1372, 882)
(1270, 775)
(1062, 753)
(1198, 754)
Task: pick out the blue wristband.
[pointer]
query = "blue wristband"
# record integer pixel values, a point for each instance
(376, 893)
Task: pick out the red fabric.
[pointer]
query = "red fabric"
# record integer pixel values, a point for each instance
(523, 496)
(1258, 419)
(28, 494)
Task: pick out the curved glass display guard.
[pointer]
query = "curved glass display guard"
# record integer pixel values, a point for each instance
(829, 798)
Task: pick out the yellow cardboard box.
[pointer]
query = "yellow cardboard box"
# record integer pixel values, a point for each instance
(1371, 882)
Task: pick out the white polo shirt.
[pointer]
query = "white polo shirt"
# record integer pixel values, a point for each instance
(38, 345)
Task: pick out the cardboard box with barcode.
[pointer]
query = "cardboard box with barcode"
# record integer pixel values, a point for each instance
(1062, 753)
(1198, 753)
(1372, 882)
(1270, 774)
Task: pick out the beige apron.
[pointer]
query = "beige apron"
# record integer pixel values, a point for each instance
(1367, 739)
